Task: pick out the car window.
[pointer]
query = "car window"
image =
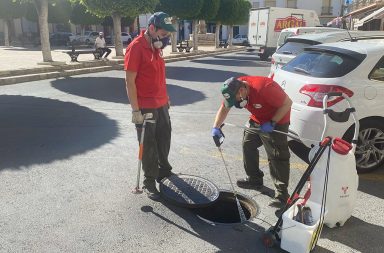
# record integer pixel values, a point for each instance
(294, 48)
(283, 37)
(378, 71)
(95, 34)
(322, 64)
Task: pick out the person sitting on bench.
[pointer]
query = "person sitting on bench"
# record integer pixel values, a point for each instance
(102, 46)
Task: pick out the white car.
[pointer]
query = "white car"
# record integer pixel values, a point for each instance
(240, 40)
(295, 45)
(354, 68)
(126, 38)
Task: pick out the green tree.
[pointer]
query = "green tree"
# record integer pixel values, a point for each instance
(118, 9)
(230, 13)
(240, 17)
(42, 7)
(80, 16)
(182, 9)
(10, 10)
(208, 11)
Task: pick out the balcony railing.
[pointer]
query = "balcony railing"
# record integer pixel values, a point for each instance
(358, 4)
(326, 10)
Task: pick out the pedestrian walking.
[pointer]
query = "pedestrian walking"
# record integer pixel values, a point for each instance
(147, 93)
(270, 109)
(101, 45)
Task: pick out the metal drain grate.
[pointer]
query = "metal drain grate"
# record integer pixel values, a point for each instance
(189, 191)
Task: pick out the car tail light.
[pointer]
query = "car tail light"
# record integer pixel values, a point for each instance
(317, 92)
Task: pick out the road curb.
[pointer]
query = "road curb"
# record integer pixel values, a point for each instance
(39, 73)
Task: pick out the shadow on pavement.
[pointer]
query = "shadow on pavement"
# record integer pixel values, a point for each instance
(200, 74)
(39, 130)
(113, 90)
(358, 235)
(372, 187)
(238, 58)
(225, 237)
(234, 62)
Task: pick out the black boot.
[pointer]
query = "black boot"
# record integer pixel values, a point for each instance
(250, 183)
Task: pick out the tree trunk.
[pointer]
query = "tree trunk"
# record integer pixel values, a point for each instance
(217, 34)
(117, 30)
(6, 33)
(230, 35)
(174, 34)
(202, 27)
(194, 35)
(42, 12)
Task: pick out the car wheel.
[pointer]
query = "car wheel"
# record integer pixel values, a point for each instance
(370, 146)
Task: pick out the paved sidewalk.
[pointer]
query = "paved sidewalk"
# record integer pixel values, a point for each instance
(21, 64)
(14, 58)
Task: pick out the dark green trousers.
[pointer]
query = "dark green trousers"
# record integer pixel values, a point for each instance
(276, 147)
(157, 143)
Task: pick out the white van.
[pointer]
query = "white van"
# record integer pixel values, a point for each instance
(265, 25)
(293, 31)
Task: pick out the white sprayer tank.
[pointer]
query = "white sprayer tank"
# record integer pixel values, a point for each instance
(342, 182)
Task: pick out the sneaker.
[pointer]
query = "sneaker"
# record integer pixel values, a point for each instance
(152, 193)
(249, 183)
(159, 178)
(278, 202)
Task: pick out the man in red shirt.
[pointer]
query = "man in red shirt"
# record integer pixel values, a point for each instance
(147, 93)
(270, 109)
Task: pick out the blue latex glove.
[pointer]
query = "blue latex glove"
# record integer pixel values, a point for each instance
(267, 127)
(218, 136)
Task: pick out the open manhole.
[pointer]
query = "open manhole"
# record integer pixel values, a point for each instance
(224, 210)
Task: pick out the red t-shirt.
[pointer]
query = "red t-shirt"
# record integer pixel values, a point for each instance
(150, 68)
(264, 98)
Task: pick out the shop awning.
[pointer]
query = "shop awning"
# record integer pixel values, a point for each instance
(378, 14)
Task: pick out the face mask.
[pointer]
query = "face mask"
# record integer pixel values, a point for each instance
(241, 104)
(160, 43)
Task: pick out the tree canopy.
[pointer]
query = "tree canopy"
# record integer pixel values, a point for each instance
(10, 9)
(183, 9)
(80, 16)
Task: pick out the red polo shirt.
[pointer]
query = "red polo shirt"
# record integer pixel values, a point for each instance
(264, 98)
(150, 68)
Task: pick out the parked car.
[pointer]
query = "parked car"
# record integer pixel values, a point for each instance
(126, 38)
(354, 68)
(295, 45)
(294, 31)
(240, 40)
(88, 38)
(60, 38)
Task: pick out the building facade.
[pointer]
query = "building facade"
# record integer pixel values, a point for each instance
(365, 15)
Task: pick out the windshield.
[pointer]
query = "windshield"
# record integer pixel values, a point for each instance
(283, 36)
(293, 47)
(322, 64)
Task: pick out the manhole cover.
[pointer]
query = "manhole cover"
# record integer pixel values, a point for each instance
(189, 191)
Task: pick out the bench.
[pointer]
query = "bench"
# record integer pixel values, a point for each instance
(75, 53)
(184, 45)
(223, 44)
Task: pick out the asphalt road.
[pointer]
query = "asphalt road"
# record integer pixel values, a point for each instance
(69, 159)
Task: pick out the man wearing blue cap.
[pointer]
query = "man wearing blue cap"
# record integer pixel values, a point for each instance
(270, 109)
(147, 93)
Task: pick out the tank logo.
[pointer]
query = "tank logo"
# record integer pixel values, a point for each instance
(257, 106)
(344, 189)
(290, 21)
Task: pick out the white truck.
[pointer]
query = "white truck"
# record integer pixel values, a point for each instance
(265, 25)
